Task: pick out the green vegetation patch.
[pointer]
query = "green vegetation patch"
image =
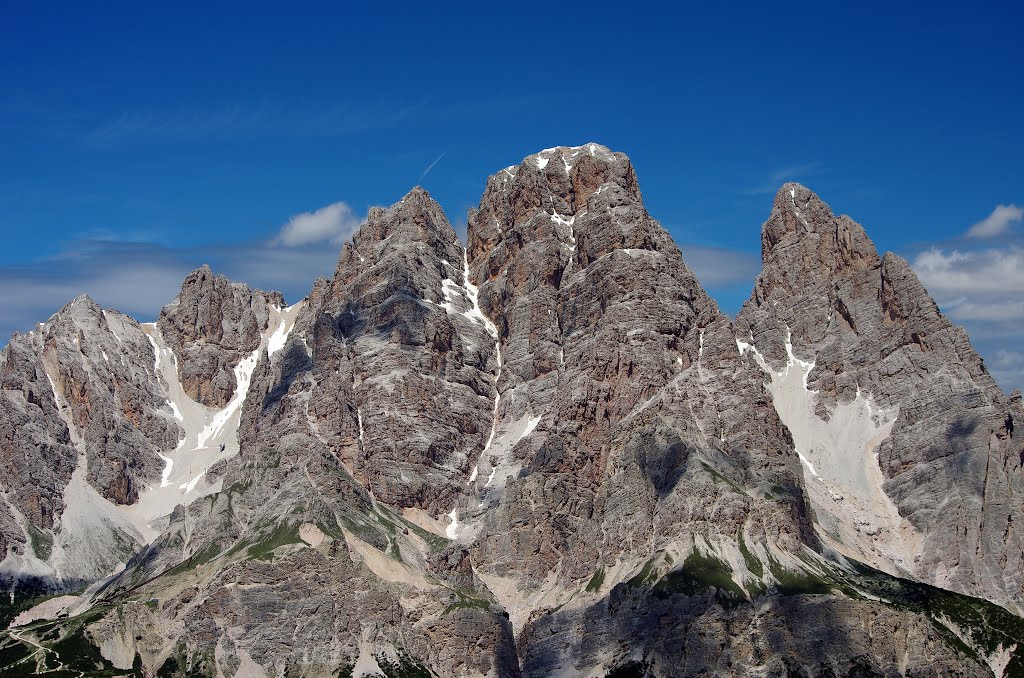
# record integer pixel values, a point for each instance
(174, 667)
(750, 560)
(988, 625)
(631, 669)
(195, 560)
(282, 535)
(641, 578)
(434, 541)
(790, 583)
(719, 478)
(466, 602)
(42, 542)
(596, 581)
(701, 573)
(404, 667)
(66, 650)
(12, 652)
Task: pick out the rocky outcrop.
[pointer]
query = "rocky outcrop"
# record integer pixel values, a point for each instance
(627, 374)
(884, 356)
(83, 422)
(402, 361)
(211, 325)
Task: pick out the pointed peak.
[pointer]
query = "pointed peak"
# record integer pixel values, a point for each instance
(416, 193)
(82, 301)
(793, 191)
(201, 277)
(560, 179)
(795, 198)
(417, 216)
(803, 237)
(202, 273)
(204, 280)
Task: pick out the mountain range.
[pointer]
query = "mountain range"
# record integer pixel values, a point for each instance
(541, 452)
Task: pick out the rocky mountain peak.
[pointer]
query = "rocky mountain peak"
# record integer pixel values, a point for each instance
(211, 325)
(416, 218)
(547, 453)
(557, 181)
(803, 244)
(867, 343)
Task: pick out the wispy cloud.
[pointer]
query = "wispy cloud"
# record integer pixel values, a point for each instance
(334, 223)
(775, 179)
(183, 124)
(430, 167)
(997, 223)
(140, 278)
(717, 267)
(954, 273)
(981, 289)
(235, 121)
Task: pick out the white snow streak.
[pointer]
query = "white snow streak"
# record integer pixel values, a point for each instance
(168, 467)
(452, 531)
(568, 222)
(284, 328)
(243, 376)
(191, 485)
(840, 455)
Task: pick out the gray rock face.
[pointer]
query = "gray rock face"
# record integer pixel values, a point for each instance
(402, 367)
(549, 453)
(80, 398)
(951, 465)
(603, 333)
(211, 325)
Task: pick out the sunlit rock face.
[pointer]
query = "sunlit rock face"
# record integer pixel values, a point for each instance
(895, 410)
(544, 452)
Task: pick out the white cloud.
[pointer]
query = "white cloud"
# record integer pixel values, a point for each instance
(139, 278)
(957, 273)
(997, 223)
(334, 223)
(720, 267)
(997, 311)
(1008, 367)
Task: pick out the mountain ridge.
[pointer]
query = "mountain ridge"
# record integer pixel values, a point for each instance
(480, 459)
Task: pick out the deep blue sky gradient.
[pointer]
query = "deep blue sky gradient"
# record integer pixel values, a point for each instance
(177, 132)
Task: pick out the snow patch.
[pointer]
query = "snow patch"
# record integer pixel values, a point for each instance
(209, 435)
(284, 328)
(168, 467)
(243, 376)
(191, 485)
(567, 222)
(452, 531)
(842, 475)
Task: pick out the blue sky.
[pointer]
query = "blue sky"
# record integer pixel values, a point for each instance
(138, 141)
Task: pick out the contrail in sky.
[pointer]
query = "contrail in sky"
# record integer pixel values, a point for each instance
(430, 167)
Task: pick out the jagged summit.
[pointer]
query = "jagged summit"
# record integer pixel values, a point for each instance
(870, 344)
(544, 453)
(805, 244)
(416, 217)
